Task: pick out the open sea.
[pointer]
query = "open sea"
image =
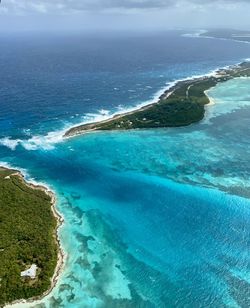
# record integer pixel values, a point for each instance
(153, 218)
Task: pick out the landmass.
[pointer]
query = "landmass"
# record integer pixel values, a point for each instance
(181, 105)
(236, 35)
(30, 254)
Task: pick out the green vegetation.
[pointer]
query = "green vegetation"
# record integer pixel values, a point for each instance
(27, 236)
(181, 105)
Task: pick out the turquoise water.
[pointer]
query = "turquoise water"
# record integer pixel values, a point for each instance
(153, 218)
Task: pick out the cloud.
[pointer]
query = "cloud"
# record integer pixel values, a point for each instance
(69, 6)
(80, 5)
(102, 15)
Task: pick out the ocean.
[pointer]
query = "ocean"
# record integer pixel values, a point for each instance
(153, 218)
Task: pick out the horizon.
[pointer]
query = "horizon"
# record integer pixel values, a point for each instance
(115, 32)
(124, 153)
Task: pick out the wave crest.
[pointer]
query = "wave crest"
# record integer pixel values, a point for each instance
(36, 142)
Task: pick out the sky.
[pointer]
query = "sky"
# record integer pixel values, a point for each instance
(97, 15)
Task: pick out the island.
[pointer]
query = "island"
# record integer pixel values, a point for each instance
(30, 254)
(181, 105)
(229, 34)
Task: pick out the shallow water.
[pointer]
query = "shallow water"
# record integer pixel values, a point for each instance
(153, 218)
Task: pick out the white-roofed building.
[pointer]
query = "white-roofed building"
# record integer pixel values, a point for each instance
(31, 272)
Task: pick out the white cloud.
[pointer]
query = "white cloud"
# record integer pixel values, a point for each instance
(19, 15)
(69, 6)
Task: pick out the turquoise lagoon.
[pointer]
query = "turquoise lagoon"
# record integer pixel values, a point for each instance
(153, 218)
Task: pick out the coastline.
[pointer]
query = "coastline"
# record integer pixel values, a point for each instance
(181, 140)
(167, 91)
(226, 36)
(211, 100)
(61, 256)
(57, 136)
(142, 106)
(218, 75)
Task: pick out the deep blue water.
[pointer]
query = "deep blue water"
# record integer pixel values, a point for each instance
(47, 80)
(153, 218)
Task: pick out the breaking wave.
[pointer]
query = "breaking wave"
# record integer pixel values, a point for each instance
(48, 142)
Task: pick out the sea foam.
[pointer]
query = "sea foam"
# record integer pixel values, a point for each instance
(48, 142)
(36, 142)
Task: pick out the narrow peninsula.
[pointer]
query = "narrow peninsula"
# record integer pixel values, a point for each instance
(181, 105)
(30, 255)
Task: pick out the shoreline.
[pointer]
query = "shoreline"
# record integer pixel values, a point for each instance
(142, 106)
(57, 136)
(218, 75)
(230, 35)
(212, 101)
(61, 255)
